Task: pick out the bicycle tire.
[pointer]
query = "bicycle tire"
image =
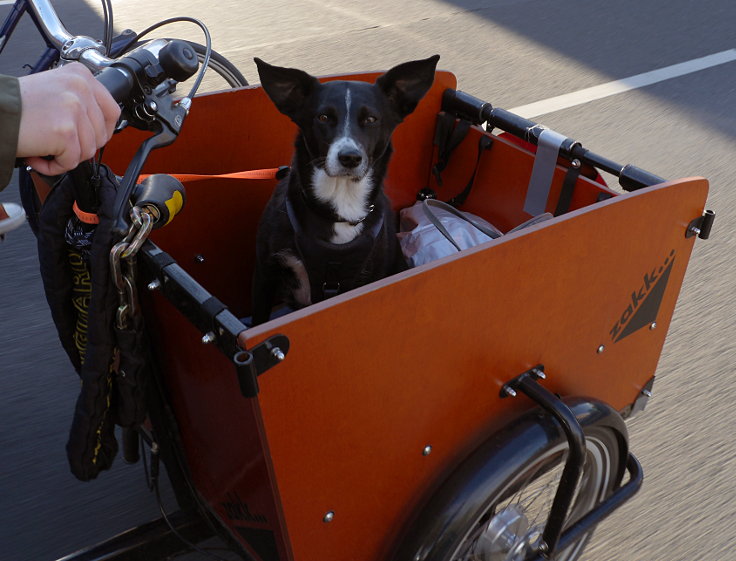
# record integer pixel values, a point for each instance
(221, 65)
(478, 513)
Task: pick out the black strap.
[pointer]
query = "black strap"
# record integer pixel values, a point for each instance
(568, 188)
(485, 143)
(449, 133)
(212, 307)
(159, 261)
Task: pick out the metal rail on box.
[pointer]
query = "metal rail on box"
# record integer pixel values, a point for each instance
(208, 314)
(478, 111)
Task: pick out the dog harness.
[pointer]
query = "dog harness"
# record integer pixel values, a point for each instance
(333, 268)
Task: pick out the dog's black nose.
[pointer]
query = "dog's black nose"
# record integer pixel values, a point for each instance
(350, 158)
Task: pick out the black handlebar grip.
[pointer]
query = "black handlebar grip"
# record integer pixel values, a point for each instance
(118, 81)
(178, 60)
(164, 192)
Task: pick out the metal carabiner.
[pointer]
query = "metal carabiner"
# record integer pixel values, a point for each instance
(121, 284)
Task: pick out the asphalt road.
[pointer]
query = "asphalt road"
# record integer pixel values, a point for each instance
(510, 52)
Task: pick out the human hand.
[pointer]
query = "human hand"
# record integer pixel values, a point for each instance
(65, 113)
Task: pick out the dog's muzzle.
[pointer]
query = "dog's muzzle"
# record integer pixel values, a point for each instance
(346, 159)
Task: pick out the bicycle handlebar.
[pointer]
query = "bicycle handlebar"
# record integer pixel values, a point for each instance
(118, 81)
(143, 81)
(50, 23)
(149, 65)
(84, 49)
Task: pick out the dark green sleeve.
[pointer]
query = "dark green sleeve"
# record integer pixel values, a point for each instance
(9, 126)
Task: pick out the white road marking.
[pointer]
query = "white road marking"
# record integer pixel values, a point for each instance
(579, 97)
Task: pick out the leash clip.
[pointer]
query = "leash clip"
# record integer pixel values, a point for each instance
(356, 222)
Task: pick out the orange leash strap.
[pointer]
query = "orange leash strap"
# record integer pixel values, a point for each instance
(268, 173)
(86, 217)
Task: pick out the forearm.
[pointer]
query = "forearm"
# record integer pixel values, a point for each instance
(10, 111)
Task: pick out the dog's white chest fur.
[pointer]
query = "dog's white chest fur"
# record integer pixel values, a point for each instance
(348, 198)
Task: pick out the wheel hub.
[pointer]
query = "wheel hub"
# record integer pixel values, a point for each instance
(508, 537)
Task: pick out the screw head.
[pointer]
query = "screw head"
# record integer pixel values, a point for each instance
(278, 354)
(427, 450)
(653, 326)
(199, 258)
(601, 349)
(208, 338)
(154, 285)
(508, 391)
(329, 517)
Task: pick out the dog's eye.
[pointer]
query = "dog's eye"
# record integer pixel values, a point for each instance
(370, 119)
(323, 118)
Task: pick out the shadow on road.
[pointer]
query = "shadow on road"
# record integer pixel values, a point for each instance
(587, 33)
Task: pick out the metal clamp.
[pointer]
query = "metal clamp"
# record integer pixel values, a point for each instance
(72, 50)
(701, 226)
(254, 362)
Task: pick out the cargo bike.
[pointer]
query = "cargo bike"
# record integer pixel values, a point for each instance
(471, 408)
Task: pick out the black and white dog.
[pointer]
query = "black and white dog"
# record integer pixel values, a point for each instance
(329, 227)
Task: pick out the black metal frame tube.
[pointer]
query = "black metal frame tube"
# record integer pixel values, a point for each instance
(603, 510)
(527, 383)
(553, 537)
(153, 540)
(478, 111)
(203, 310)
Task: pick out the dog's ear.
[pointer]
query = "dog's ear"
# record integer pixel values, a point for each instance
(288, 88)
(406, 84)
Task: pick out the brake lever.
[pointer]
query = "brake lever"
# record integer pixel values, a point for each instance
(121, 207)
(152, 78)
(169, 114)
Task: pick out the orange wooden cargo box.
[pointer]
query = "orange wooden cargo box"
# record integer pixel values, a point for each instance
(383, 391)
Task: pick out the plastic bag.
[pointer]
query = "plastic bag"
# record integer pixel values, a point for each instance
(431, 229)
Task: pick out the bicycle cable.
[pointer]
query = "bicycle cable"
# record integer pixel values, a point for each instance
(152, 484)
(208, 45)
(107, 12)
(181, 538)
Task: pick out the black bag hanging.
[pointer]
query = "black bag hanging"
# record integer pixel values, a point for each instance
(83, 300)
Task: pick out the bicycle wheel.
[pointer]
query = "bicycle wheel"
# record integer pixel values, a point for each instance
(224, 69)
(495, 506)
